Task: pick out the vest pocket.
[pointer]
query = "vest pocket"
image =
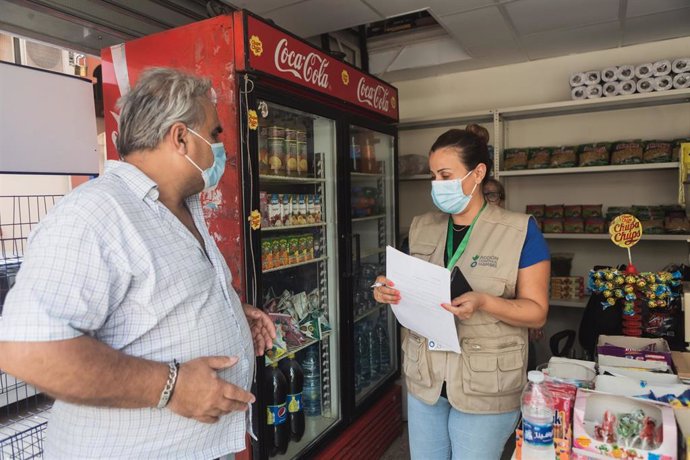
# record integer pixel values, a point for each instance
(416, 363)
(422, 250)
(493, 366)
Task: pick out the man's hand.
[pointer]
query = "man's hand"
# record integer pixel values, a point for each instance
(263, 329)
(201, 395)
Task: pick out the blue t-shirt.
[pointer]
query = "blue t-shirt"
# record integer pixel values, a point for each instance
(535, 248)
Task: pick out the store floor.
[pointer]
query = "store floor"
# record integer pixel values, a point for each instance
(400, 449)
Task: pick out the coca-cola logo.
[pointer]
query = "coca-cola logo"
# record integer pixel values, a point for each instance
(374, 96)
(310, 67)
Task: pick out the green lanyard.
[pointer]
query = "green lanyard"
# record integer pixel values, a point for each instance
(453, 258)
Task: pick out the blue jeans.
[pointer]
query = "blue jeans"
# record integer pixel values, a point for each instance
(440, 432)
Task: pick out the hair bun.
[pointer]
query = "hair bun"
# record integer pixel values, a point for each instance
(479, 131)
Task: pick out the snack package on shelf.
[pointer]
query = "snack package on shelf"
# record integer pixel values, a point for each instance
(592, 210)
(572, 210)
(627, 153)
(537, 210)
(539, 158)
(553, 225)
(564, 157)
(555, 211)
(573, 225)
(610, 426)
(595, 225)
(567, 287)
(652, 226)
(515, 159)
(675, 151)
(658, 152)
(594, 154)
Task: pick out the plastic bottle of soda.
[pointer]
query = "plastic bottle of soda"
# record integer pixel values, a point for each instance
(537, 419)
(311, 393)
(278, 431)
(295, 380)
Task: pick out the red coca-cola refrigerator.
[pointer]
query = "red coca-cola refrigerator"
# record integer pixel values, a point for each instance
(302, 215)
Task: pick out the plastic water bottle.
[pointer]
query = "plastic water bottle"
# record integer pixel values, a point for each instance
(374, 352)
(362, 360)
(537, 419)
(311, 393)
(384, 346)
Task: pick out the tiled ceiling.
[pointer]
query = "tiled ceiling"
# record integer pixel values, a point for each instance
(473, 34)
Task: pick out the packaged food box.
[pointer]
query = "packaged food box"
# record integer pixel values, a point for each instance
(572, 210)
(554, 211)
(592, 210)
(658, 151)
(627, 152)
(553, 225)
(286, 210)
(263, 208)
(309, 247)
(317, 208)
(283, 251)
(594, 154)
(564, 157)
(302, 207)
(538, 158)
(275, 210)
(635, 352)
(266, 254)
(515, 159)
(276, 254)
(609, 426)
(537, 210)
(574, 225)
(311, 218)
(294, 253)
(595, 225)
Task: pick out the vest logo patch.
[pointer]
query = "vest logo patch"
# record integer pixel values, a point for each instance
(484, 261)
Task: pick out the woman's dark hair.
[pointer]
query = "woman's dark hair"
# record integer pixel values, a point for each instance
(471, 148)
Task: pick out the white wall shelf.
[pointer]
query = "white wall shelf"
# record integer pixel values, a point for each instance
(676, 96)
(590, 169)
(605, 236)
(461, 119)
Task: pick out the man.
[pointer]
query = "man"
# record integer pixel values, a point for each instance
(122, 281)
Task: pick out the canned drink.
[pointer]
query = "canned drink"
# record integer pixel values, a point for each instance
(302, 159)
(291, 158)
(263, 151)
(301, 136)
(276, 156)
(290, 134)
(276, 132)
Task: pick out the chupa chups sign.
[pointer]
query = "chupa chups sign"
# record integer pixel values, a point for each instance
(626, 231)
(286, 57)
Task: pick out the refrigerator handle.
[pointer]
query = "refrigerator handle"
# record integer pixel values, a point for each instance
(348, 253)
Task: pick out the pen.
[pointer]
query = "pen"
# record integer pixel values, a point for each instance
(377, 284)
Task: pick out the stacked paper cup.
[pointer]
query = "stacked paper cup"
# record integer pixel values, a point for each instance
(623, 80)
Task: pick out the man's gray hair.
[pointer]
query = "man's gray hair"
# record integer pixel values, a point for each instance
(161, 98)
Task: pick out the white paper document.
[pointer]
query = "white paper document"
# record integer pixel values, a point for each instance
(423, 288)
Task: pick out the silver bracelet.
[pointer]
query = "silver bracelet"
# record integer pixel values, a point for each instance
(169, 385)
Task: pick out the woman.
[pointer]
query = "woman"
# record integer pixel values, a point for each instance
(465, 406)
(494, 192)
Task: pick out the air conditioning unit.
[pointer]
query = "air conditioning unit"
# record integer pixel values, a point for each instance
(45, 57)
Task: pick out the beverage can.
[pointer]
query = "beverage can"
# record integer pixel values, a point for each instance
(276, 156)
(291, 160)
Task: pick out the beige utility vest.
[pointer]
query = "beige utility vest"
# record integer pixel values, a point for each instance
(490, 372)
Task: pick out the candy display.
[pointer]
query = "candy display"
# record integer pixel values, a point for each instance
(654, 289)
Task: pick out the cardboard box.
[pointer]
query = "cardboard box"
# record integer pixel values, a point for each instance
(618, 351)
(637, 374)
(627, 386)
(596, 433)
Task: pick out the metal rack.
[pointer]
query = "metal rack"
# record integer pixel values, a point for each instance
(23, 409)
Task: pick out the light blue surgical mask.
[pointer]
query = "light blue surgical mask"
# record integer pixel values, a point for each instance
(213, 174)
(448, 195)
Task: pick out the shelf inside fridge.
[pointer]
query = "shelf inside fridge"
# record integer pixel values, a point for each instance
(370, 311)
(292, 350)
(300, 264)
(367, 218)
(291, 179)
(288, 228)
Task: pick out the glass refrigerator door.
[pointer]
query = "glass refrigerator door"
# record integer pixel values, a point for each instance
(372, 206)
(299, 275)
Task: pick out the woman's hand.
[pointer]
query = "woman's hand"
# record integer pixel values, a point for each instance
(464, 306)
(386, 293)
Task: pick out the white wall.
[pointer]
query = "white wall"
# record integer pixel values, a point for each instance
(547, 81)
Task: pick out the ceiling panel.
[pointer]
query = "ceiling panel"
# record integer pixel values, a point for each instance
(642, 7)
(580, 40)
(314, 17)
(657, 27)
(477, 26)
(390, 8)
(492, 49)
(173, 17)
(533, 16)
(429, 53)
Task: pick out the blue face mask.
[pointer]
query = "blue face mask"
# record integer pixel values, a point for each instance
(213, 174)
(448, 195)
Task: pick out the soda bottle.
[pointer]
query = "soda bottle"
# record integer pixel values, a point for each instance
(276, 411)
(537, 419)
(374, 352)
(311, 393)
(384, 346)
(295, 379)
